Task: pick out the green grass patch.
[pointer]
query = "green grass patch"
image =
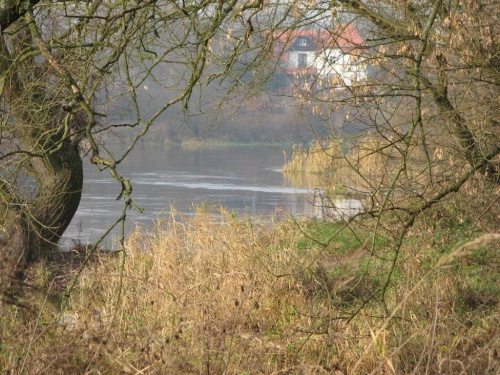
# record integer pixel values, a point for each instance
(338, 237)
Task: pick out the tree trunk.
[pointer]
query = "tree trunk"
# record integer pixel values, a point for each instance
(28, 230)
(38, 203)
(60, 180)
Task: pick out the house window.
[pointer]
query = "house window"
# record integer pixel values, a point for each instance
(302, 59)
(302, 42)
(332, 59)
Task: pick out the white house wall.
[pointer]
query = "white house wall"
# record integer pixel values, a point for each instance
(293, 58)
(333, 62)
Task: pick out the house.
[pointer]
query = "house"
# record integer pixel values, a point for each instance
(333, 56)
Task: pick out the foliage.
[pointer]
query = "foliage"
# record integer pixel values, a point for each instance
(418, 295)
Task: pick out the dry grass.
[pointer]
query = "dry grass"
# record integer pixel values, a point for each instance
(320, 157)
(227, 296)
(372, 164)
(364, 167)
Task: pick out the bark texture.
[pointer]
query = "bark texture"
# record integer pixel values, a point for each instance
(32, 222)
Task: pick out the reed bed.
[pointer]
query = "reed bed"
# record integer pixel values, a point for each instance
(320, 157)
(371, 165)
(225, 295)
(326, 166)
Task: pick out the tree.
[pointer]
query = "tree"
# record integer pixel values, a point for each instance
(65, 70)
(430, 111)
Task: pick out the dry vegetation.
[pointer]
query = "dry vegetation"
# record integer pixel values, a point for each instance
(371, 164)
(226, 295)
(411, 288)
(320, 157)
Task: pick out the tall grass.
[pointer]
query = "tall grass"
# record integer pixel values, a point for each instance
(370, 165)
(320, 157)
(224, 295)
(324, 165)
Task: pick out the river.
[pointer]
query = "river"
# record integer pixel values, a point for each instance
(247, 179)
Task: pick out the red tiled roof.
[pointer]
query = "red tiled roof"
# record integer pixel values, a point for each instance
(342, 36)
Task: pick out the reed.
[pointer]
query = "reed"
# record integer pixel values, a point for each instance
(226, 295)
(371, 164)
(320, 157)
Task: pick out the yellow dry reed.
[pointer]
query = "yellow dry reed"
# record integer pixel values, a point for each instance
(223, 295)
(321, 157)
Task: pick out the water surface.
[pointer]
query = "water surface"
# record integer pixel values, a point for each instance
(245, 179)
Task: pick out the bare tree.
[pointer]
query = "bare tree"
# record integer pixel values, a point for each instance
(429, 108)
(66, 67)
(431, 100)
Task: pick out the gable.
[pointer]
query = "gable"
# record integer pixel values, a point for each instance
(303, 43)
(344, 36)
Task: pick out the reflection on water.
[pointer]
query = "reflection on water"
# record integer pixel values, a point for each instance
(244, 179)
(334, 208)
(308, 181)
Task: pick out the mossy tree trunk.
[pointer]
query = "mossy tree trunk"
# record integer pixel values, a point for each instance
(31, 228)
(59, 179)
(41, 169)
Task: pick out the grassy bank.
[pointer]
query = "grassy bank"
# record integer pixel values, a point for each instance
(194, 143)
(238, 298)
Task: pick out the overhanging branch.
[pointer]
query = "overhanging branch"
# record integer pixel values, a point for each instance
(11, 11)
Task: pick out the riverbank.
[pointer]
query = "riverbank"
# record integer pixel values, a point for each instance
(202, 142)
(231, 296)
(196, 143)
